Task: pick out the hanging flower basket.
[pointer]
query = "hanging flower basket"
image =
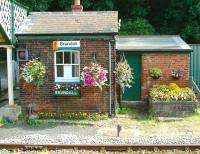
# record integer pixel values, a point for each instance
(177, 74)
(155, 72)
(34, 72)
(124, 74)
(94, 76)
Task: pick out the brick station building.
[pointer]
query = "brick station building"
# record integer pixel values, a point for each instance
(93, 36)
(68, 41)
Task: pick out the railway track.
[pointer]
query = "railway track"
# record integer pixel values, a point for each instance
(120, 148)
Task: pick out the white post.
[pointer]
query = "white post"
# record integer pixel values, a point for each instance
(10, 76)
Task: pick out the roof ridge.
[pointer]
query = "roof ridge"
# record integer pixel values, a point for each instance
(69, 12)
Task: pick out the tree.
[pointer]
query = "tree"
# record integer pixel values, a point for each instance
(191, 32)
(36, 5)
(183, 18)
(131, 9)
(137, 27)
(157, 13)
(89, 5)
(180, 17)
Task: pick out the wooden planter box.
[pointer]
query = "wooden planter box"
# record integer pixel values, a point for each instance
(67, 93)
(173, 109)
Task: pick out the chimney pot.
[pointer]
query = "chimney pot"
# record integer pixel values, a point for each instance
(77, 7)
(77, 2)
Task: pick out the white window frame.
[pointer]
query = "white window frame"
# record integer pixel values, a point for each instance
(64, 79)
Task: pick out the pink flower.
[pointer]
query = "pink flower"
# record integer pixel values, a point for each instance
(102, 76)
(94, 75)
(88, 80)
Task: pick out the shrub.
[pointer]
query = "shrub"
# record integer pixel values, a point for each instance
(172, 92)
(155, 72)
(137, 27)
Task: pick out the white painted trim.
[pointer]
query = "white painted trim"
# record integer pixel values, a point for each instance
(10, 76)
(6, 46)
(63, 79)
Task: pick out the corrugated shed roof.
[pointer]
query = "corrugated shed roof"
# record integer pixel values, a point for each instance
(151, 43)
(69, 23)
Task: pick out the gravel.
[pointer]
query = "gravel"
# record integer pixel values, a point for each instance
(74, 139)
(23, 134)
(101, 152)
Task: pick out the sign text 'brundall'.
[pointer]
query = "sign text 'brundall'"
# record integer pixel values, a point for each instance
(66, 45)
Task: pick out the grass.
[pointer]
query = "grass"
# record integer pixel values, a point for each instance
(150, 125)
(35, 123)
(122, 110)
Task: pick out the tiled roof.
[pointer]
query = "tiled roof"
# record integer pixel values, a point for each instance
(152, 43)
(69, 23)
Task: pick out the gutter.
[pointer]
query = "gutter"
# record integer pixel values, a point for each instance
(155, 50)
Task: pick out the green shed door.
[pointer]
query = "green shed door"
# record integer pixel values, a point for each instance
(133, 93)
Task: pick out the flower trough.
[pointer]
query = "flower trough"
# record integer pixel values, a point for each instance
(172, 101)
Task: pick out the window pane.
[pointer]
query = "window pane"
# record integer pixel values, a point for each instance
(59, 58)
(67, 57)
(60, 71)
(75, 71)
(75, 58)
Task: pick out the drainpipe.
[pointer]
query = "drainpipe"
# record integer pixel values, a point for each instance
(110, 80)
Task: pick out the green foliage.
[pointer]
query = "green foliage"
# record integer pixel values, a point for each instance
(100, 5)
(191, 32)
(137, 27)
(155, 72)
(4, 121)
(182, 17)
(172, 92)
(35, 123)
(36, 5)
(122, 110)
(74, 116)
(21, 116)
(139, 17)
(131, 10)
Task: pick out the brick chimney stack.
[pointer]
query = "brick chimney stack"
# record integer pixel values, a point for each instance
(77, 7)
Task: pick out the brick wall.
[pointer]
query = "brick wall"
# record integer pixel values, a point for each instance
(166, 62)
(92, 100)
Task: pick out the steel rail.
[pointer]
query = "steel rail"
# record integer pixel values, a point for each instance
(133, 147)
